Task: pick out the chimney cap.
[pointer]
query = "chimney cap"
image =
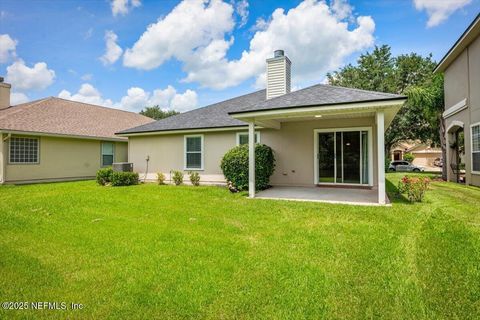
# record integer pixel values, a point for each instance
(278, 53)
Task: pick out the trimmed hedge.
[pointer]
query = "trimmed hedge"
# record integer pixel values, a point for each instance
(104, 176)
(235, 166)
(124, 178)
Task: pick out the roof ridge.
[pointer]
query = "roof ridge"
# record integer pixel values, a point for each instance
(207, 106)
(357, 89)
(100, 107)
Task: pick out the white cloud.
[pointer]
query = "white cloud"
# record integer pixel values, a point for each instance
(7, 48)
(241, 8)
(168, 99)
(24, 78)
(112, 49)
(17, 98)
(341, 8)
(136, 98)
(191, 24)
(316, 38)
(439, 10)
(87, 94)
(122, 7)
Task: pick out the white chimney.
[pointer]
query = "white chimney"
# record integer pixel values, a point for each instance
(4, 94)
(278, 75)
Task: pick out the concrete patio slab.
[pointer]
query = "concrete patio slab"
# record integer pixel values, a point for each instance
(351, 196)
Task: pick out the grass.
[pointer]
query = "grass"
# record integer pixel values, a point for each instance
(163, 252)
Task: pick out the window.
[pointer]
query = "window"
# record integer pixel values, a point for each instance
(242, 138)
(23, 150)
(194, 152)
(107, 153)
(476, 147)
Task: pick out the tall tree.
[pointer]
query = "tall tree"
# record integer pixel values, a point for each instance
(410, 74)
(156, 113)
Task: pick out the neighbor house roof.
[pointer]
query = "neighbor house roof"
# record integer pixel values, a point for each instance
(470, 34)
(218, 115)
(64, 117)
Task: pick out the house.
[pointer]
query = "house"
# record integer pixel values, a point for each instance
(461, 68)
(425, 155)
(54, 139)
(321, 135)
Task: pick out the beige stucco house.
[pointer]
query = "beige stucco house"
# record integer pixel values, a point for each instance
(425, 155)
(461, 67)
(321, 135)
(54, 139)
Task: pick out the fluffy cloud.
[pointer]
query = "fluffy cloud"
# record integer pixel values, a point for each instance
(87, 94)
(136, 98)
(7, 48)
(315, 36)
(17, 98)
(122, 7)
(191, 24)
(112, 49)
(24, 78)
(439, 10)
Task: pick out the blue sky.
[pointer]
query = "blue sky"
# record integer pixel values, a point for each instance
(195, 53)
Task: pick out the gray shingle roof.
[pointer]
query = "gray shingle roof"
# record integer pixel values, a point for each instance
(212, 116)
(317, 95)
(218, 115)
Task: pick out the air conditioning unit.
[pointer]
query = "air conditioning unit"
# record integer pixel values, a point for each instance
(122, 167)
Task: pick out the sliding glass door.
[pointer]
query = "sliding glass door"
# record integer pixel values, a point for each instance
(343, 157)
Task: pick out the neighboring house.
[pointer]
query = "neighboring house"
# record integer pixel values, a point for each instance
(321, 135)
(54, 139)
(461, 67)
(424, 154)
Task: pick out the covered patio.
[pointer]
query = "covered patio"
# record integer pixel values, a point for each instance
(354, 196)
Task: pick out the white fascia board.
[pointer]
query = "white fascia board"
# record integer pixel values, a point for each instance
(361, 106)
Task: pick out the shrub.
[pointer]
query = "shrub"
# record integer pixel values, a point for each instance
(124, 178)
(104, 176)
(177, 177)
(195, 178)
(160, 178)
(413, 187)
(387, 163)
(408, 157)
(235, 166)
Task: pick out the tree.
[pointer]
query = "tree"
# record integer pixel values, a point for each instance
(431, 98)
(410, 74)
(156, 113)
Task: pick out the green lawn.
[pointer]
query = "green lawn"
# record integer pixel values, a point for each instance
(163, 252)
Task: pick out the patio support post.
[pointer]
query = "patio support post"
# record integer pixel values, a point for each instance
(251, 160)
(380, 121)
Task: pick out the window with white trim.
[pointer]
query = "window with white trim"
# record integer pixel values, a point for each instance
(194, 152)
(108, 149)
(242, 138)
(476, 147)
(23, 150)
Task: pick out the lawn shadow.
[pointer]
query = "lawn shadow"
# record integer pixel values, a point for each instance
(394, 195)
